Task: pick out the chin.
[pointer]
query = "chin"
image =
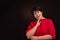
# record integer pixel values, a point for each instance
(37, 18)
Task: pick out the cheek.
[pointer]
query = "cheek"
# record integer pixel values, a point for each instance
(40, 14)
(35, 16)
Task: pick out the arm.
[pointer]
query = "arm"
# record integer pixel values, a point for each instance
(31, 32)
(52, 31)
(44, 37)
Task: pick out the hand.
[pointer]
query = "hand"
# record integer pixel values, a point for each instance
(38, 22)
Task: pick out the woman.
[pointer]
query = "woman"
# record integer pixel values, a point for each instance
(42, 28)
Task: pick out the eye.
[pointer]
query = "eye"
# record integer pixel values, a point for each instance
(37, 11)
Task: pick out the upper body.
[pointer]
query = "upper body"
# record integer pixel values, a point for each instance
(41, 28)
(46, 27)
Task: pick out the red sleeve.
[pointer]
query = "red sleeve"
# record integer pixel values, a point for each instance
(52, 30)
(29, 26)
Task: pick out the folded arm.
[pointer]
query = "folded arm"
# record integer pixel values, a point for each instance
(44, 37)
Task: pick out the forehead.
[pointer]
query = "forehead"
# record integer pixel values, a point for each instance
(36, 11)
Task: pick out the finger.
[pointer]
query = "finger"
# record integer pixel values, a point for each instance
(38, 20)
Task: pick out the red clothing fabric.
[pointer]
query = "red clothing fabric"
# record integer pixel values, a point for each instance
(46, 27)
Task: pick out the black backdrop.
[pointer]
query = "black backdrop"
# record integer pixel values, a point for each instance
(15, 16)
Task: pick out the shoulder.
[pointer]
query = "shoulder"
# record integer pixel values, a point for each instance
(48, 19)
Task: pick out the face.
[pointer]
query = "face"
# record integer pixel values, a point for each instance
(37, 14)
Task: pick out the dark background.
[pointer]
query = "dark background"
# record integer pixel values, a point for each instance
(15, 16)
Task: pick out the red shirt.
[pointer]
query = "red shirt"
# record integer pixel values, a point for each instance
(46, 27)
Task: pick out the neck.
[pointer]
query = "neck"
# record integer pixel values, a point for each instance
(42, 18)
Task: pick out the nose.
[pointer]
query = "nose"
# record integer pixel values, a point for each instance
(37, 14)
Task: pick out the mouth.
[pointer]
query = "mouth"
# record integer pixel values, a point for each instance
(38, 16)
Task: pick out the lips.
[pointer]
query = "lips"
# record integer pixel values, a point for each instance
(38, 16)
